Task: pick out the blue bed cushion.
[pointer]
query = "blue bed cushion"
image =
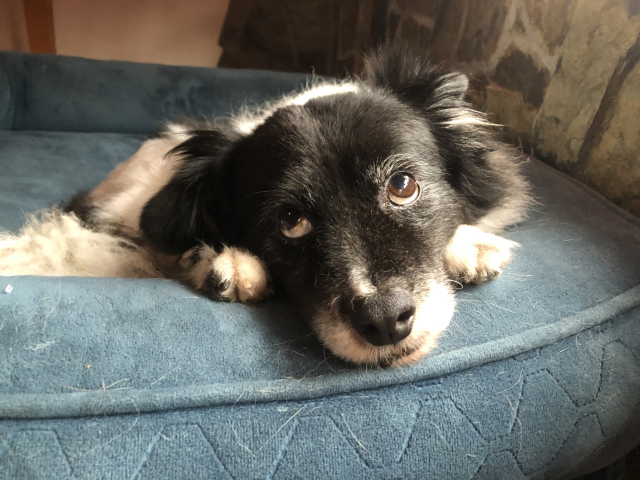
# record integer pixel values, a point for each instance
(537, 377)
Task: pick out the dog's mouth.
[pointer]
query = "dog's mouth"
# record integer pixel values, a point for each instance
(432, 316)
(408, 354)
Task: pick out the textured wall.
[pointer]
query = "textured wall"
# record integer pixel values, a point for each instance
(156, 31)
(563, 75)
(324, 36)
(13, 29)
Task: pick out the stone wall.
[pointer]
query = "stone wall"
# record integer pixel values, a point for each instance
(562, 75)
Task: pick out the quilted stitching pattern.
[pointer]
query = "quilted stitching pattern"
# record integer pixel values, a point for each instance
(411, 431)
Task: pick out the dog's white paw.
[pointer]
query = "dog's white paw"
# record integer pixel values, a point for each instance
(233, 275)
(474, 256)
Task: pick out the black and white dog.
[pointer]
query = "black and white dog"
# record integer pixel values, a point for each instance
(363, 201)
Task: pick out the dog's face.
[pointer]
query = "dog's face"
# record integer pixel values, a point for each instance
(346, 200)
(350, 198)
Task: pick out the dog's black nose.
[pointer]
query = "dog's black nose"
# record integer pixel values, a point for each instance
(384, 318)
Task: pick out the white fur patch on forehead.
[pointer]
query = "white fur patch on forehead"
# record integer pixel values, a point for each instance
(249, 119)
(322, 90)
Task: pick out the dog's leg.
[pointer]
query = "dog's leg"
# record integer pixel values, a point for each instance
(233, 275)
(474, 256)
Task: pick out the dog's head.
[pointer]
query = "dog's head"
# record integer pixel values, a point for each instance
(350, 193)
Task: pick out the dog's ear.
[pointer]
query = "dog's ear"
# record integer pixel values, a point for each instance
(406, 72)
(196, 204)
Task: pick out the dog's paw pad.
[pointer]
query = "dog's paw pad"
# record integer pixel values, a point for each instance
(474, 256)
(213, 284)
(233, 275)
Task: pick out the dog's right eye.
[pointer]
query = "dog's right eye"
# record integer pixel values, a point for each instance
(294, 225)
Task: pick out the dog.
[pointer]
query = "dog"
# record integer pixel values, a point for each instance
(364, 201)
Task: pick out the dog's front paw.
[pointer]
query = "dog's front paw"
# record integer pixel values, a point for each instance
(474, 256)
(233, 275)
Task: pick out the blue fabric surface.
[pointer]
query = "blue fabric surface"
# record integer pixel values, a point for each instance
(537, 377)
(41, 92)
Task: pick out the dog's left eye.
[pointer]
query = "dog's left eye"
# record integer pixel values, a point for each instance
(294, 225)
(403, 189)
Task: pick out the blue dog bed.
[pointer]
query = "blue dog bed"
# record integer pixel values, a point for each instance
(537, 377)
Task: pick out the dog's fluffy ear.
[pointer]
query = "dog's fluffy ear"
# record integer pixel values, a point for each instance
(195, 205)
(407, 73)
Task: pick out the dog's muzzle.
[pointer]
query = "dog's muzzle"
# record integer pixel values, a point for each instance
(383, 318)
